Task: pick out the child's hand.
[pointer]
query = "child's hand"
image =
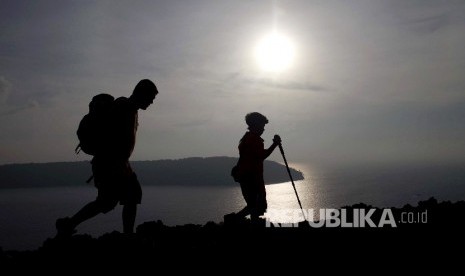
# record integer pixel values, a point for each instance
(277, 139)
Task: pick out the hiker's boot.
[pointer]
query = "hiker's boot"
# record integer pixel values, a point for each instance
(64, 228)
(231, 219)
(258, 222)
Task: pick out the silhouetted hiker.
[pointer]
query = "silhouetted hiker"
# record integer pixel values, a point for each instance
(250, 167)
(113, 176)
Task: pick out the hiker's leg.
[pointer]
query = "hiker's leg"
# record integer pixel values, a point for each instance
(254, 218)
(132, 195)
(244, 212)
(129, 218)
(88, 211)
(65, 226)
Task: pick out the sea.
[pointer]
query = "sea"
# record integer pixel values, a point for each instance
(27, 215)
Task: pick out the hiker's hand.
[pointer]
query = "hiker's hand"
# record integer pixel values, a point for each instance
(276, 139)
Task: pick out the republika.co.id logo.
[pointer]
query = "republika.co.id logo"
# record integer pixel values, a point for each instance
(344, 218)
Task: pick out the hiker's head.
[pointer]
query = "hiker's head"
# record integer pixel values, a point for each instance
(256, 122)
(144, 93)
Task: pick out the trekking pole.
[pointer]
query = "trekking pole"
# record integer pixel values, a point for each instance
(292, 180)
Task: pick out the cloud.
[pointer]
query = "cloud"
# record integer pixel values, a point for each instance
(9, 109)
(430, 24)
(291, 85)
(427, 16)
(279, 84)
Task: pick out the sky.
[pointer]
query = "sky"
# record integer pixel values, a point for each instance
(370, 82)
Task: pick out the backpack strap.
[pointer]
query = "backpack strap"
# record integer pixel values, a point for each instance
(77, 150)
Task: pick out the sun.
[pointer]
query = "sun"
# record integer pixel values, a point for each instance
(275, 52)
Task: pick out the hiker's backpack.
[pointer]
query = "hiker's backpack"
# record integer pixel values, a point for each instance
(94, 126)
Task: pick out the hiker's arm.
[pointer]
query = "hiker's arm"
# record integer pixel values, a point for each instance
(124, 133)
(128, 137)
(276, 142)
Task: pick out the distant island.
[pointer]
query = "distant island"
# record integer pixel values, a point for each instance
(193, 171)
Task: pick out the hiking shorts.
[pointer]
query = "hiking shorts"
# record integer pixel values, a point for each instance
(116, 183)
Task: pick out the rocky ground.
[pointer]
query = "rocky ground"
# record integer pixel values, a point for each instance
(240, 241)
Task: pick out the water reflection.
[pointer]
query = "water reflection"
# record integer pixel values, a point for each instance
(283, 197)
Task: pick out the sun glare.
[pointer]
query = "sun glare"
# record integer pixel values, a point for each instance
(275, 53)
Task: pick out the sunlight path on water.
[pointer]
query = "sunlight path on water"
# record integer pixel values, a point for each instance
(282, 199)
